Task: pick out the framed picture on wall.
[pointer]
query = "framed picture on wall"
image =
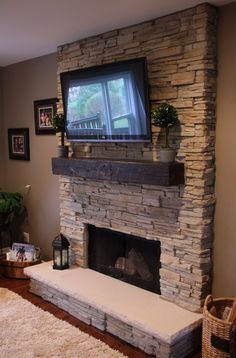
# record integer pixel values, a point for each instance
(44, 111)
(18, 143)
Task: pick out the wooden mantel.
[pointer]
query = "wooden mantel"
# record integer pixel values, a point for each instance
(133, 172)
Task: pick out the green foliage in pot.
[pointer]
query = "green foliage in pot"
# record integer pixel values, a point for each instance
(165, 116)
(58, 123)
(11, 205)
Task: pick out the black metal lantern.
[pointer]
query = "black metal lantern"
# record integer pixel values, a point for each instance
(60, 252)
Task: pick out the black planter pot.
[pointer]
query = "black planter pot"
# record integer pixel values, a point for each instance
(63, 151)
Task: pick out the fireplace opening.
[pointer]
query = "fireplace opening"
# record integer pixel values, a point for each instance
(129, 258)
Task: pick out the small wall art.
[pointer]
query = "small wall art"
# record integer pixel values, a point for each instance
(44, 111)
(18, 143)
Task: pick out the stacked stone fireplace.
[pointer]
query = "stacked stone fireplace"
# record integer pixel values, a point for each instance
(181, 59)
(152, 225)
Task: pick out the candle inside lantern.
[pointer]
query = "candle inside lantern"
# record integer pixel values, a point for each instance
(64, 257)
(57, 258)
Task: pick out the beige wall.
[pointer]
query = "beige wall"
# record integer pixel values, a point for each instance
(22, 84)
(224, 282)
(2, 163)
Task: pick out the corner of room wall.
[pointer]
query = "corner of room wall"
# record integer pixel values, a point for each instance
(225, 223)
(2, 148)
(22, 84)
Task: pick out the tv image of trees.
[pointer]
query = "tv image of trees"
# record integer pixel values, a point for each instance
(108, 98)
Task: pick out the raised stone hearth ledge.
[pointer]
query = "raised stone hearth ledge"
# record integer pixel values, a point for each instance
(137, 316)
(133, 172)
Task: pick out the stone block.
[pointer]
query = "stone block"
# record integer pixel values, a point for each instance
(169, 275)
(163, 93)
(182, 78)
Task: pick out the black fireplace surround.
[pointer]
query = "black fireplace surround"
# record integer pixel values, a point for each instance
(129, 258)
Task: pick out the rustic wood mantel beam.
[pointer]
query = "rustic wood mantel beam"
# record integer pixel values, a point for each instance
(133, 172)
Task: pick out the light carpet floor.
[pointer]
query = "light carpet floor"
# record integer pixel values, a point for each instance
(28, 331)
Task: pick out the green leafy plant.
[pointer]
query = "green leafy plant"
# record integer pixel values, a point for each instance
(11, 205)
(58, 123)
(165, 116)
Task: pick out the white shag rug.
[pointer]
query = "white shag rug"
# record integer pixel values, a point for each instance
(28, 331)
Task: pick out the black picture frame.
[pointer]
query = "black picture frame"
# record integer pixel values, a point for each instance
(18, 143)
(44, 111)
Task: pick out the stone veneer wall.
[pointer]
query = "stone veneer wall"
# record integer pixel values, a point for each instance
(181, 58)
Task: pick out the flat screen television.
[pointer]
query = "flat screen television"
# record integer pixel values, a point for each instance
(107, 102)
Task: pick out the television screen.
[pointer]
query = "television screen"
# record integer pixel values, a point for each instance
(107, 102)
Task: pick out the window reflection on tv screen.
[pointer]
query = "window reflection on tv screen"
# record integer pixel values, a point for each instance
(107, 102)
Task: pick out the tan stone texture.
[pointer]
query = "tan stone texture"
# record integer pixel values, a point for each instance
(181, 61)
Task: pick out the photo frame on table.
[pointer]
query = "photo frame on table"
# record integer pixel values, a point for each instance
(22, 252)
(18, 143)
(44, 111)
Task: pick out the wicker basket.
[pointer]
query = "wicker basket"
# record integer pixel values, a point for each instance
(216, 332)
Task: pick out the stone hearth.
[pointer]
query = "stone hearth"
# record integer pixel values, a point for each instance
(137, 316)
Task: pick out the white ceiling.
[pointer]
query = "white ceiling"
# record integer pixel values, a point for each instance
(32, 28)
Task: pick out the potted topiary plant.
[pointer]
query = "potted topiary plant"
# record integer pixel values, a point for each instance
(165, 116)
(58, 123)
